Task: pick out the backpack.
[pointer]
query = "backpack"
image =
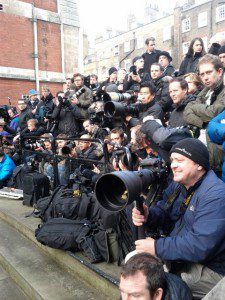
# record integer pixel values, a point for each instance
(35, 186)
(16, 181)
(61, 233)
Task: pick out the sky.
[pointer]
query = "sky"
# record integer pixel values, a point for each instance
(97, 15)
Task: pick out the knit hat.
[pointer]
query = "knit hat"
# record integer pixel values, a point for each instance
(221, 50)
(193, 149)
(165, 53)
(33, 92)
(112, 70)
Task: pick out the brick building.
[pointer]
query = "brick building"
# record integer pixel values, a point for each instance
(39, 45)
(173, 33)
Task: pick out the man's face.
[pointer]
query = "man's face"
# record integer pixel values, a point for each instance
(134, 287)
(177, 94)
(31, 126)
(87, 126)
(33, 97)
(222, 59)
(45, 93)
(163, 61)
(78, 81)
(209, 75)
(83, 145)
(48, 145)
(185, 171)
(150, 46)
(22, 106)
(11, 114)
(113, 77)
(93, 80)
(68, 83)
(116, 138)
(145, 95)
(139, 63)
(155, 72)
(60, 143)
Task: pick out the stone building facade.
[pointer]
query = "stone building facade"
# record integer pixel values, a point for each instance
(173, 33)
(39, 45)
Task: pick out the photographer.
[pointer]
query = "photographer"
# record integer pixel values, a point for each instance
(192, 215)
(66, 115)
(45, 107)
(136, 76)
(24, 116)
(148, 105)
(94, 130)
(85, 99)
(33, 129)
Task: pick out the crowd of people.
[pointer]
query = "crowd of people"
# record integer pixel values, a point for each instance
(148, 113)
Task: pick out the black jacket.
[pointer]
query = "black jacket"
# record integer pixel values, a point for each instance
(189, 64)
(169, 70)
(67, 118)
(162, 96)
(149, 59)
(150, 109)
(47, 105)
(176, 118)
(134, 85)
(24, 116)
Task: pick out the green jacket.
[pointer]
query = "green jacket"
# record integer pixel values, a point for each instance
(198, 112)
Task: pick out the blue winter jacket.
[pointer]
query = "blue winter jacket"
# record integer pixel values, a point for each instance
(216, 130)
(198, 235)
(6, 167)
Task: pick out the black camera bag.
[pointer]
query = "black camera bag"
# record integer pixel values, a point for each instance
(35, 186)
(61, 233)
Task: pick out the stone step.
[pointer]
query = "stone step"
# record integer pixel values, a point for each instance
(37, 274)
(102, 276)
(8, 289)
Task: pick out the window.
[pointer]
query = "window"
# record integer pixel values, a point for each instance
(202, 19)
(186, 25)
(127, 46)
(116, 50)
(140, 42)
(166, 33)
(220, 13)
(185, 47)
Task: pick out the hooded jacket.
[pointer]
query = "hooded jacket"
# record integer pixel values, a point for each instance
(6, 167)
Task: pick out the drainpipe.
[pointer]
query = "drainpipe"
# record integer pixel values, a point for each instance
(62, 39)
(130, 51)
(35, 54)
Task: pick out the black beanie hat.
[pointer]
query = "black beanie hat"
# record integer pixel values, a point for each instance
(112, 70)
(221, 50)
(193, 149)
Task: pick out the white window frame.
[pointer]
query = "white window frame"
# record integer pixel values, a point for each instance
(185, 47)
(186, 25)
(202, 19)
(126, 46)
(220, 13)
(166, 33)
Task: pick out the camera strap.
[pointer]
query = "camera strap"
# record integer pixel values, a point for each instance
(173, 197)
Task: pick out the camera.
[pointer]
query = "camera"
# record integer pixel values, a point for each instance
(133, 69)
(80, 92)
(115, 109)
(67, 148)
(96, 116)
(118, 97)
(32, 146)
